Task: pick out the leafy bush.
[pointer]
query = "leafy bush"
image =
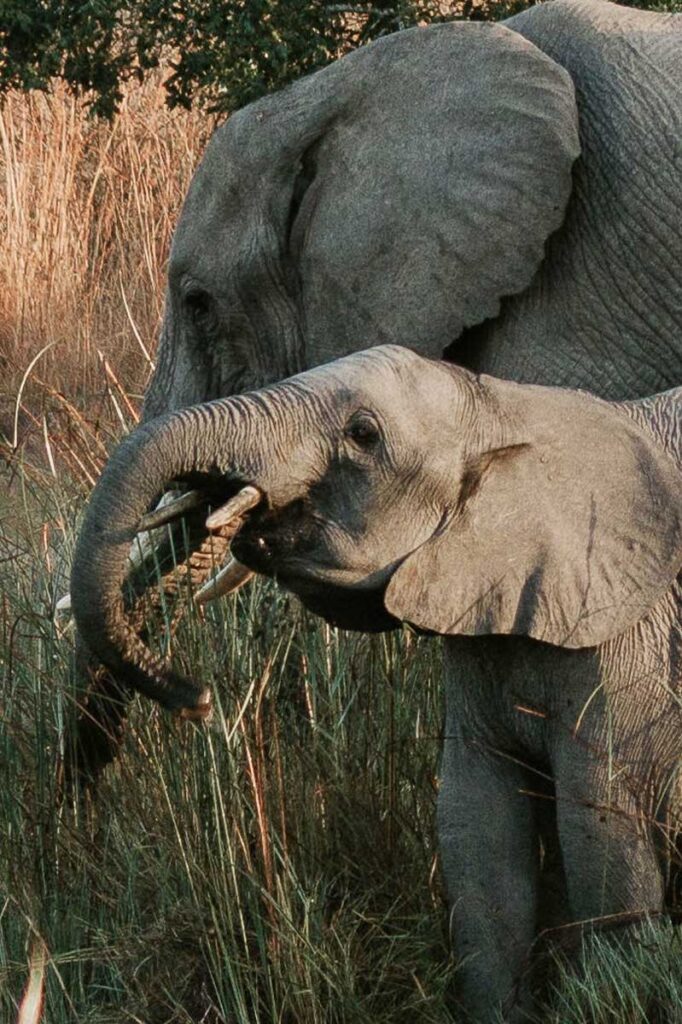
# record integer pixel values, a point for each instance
(222, 53)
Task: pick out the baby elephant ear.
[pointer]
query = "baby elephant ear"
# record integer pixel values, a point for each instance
(569, 535)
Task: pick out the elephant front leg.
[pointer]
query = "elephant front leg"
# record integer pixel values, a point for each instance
(607, 846)
(489, 849)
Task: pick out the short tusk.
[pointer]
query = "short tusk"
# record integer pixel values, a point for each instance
(166, 513)
(233, 576)
(247, 498)
(63, 605)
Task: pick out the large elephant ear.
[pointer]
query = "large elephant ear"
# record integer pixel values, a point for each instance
(444, 169)
(568, 532)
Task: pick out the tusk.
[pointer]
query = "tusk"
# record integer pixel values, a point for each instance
(166, 512)
(247, 498)
(63, 619)
(144, 543)
(233, 576)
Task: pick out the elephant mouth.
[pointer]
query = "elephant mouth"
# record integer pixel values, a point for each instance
(281, 544)
(253, 537)
(289, 547)
(209, 533)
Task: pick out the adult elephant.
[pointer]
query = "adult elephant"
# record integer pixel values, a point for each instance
(506, 194)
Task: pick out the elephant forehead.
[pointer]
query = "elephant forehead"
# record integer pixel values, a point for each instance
(222, 220)
(372, 371)
(391, 379)
(210, 212)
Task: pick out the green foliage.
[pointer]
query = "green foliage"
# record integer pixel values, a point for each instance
(222, 53)
(630, 980)
(276, 865)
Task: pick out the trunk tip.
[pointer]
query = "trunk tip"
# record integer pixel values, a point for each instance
(202, 709)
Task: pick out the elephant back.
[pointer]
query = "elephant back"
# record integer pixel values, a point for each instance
(604, 311)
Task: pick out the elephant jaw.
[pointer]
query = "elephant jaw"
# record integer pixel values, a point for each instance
(345, 598)
(342, 599)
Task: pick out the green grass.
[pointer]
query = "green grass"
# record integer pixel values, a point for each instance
(628, 981)
(277, 866)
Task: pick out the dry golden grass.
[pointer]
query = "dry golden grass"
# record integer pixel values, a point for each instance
(86, 217)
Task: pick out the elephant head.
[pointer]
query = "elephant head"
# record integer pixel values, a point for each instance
(425, 190)
(398, 194)
(385, 487)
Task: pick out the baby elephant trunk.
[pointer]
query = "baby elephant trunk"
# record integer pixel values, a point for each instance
(218, 444)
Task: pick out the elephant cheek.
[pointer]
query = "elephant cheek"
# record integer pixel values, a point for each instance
(186, 374)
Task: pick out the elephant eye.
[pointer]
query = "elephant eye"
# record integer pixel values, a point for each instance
(198, 304)
(363, 430)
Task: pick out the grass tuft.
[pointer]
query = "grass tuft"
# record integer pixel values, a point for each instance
(275, 866)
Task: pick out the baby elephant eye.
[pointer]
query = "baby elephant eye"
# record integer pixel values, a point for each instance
(363, 430)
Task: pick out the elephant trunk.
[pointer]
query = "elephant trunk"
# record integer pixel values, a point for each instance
(198, 442)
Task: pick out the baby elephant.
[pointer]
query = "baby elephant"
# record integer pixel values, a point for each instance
(539, 530)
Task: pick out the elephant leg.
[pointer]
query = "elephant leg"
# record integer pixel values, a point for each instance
(553, 905)
(489, 849)
(607, 846)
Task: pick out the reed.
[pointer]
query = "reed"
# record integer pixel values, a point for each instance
(86, 217)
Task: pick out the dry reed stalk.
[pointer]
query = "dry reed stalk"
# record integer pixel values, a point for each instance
(86, 215)
(31, 1006)
(257, 771)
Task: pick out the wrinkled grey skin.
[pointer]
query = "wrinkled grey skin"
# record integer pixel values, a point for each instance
(509, 193)
(540, 531)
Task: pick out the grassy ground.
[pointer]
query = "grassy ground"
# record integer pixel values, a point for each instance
(277, 866)
(280, 865)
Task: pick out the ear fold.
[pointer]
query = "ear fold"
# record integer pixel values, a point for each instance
(569, 535)
(444, 169)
